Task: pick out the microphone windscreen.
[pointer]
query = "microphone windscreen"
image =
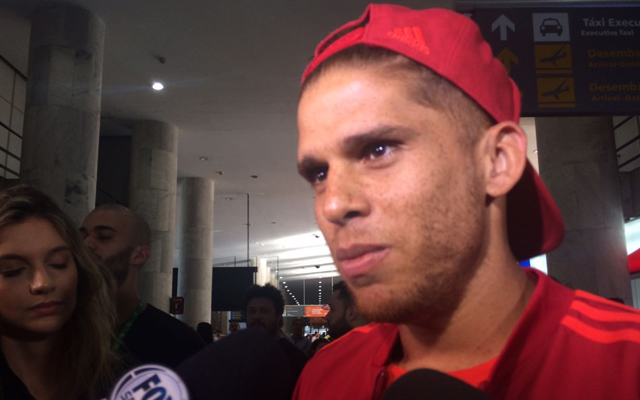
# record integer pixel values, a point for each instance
(150, 382)
(432, 385)
(247, 365)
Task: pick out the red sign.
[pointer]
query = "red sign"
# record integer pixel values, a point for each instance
(316, 311)
(176, 305)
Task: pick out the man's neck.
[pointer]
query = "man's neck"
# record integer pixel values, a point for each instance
(126, 304)
(478, 329)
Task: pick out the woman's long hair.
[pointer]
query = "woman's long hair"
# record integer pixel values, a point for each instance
(86, 363)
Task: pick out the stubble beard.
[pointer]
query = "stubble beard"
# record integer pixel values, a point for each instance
(435, 280)
(119, 265)
(340, 328)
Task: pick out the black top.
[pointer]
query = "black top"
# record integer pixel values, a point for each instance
(157, 338)
(11, 387)
(248, 365)
(297, 359)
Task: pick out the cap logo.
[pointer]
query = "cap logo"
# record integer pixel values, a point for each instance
(411, 36)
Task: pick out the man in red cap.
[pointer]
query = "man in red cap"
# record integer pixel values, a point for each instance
(409, 136)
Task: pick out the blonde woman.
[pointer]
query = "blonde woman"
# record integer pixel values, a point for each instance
(56, 316)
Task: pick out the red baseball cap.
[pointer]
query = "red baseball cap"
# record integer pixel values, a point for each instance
(452, 46)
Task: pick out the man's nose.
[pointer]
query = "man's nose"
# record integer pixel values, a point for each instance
(344, 197)
(90, 243)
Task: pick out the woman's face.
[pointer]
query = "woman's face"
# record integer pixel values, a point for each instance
(38, 280)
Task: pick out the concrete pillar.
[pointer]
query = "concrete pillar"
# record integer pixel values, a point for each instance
(62, 118)
(579, 166)
(264, 272)
(152, 195)
(196, 249)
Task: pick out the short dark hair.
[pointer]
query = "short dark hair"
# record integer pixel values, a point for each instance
(428, 88)
(141, 232)
(344, 294)
(267, 291)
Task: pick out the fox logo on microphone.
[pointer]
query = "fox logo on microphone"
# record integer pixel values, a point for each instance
(150, 382)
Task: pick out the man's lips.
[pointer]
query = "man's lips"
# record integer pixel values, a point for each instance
(360, 259)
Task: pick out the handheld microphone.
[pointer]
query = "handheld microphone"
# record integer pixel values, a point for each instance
(432, 384)
(148, 382)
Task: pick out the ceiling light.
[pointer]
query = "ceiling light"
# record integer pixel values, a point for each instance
(536, 151)
(203, 158)
(157, 86)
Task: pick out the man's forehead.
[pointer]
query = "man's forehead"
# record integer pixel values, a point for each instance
(259, 302)
(106, 218)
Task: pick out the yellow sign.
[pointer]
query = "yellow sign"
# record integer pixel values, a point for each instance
(507, 58)
(556, 93)
(553, 58)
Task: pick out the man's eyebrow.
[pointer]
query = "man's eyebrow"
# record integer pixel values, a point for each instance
(380, 132)
(355, 142)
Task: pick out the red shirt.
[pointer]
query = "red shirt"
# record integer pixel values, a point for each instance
(566, 345)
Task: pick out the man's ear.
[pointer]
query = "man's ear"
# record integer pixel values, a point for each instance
(140, 255)
(350, 314)
(505, 155)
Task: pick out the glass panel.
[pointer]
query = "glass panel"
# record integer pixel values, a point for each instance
(15, 145)
(13, 164)
(6, 81)
(4, 137)
(20, 93)
(17, 121)
(11, 176)
(5, 112)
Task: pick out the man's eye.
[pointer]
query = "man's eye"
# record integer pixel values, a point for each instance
(378, 150)
(320, 175)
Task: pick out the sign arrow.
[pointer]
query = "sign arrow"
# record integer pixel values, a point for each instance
(507, 57)
(503, 23)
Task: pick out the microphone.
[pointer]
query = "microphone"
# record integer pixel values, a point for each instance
(432, 384)
(150, 382)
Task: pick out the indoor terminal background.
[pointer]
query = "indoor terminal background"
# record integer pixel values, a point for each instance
(209, 160)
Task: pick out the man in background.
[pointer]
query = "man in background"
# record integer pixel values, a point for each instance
(121, 240)
(344, 314)
(297, 335)
(264, 307)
